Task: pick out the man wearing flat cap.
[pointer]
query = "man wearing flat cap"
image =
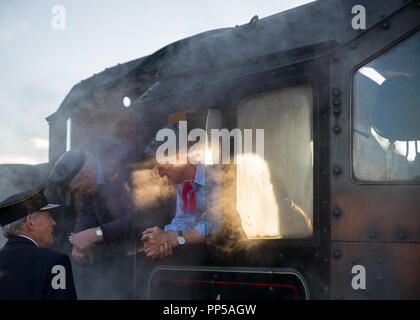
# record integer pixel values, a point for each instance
(104, 228)
(190, 225)
(28, 269)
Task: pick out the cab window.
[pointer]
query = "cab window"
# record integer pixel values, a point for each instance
(386, 114)
(274, 192)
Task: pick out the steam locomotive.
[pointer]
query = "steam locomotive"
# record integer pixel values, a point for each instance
(332, 211)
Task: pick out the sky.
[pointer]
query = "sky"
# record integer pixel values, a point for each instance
(39, 64)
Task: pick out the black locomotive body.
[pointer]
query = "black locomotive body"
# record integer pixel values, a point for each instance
(339, 185)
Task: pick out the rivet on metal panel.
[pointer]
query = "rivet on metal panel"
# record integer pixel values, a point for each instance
(337, 254)
(324, 202)
(336, 212)
(338, 296)
(337, 102)
(372, 234)
(354, 261)
(336, 129)
(337, 170)
(325, 230)
(336, 110)
(380, 277)
(401, 235)
(386, 25)
(326, 259)
(336, 92)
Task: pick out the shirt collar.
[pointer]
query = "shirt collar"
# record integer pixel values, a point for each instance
(21, 235)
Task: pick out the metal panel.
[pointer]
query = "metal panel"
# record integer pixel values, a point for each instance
(391, 270)
(190, 282)
(366, 211)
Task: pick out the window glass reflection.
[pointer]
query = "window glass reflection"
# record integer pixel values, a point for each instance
(386, 115)
(274, 195)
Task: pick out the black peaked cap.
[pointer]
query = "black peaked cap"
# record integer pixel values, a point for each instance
(25, 203)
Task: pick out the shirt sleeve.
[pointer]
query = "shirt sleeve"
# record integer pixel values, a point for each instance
(181, 221)
(201, 228)
(207, 222)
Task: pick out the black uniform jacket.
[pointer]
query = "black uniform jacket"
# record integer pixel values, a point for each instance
(28, 272)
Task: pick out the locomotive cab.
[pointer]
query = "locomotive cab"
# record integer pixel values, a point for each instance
(331, 186)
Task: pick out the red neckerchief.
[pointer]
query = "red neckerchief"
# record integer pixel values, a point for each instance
(185, 189)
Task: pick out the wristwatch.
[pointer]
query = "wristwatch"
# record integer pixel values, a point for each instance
(181, 238)
(99, 234)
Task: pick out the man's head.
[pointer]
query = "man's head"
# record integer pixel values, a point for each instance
(28, 213)
(175, 162)
(75, 171)
(86, 180)
(176, 173)
(37, 226)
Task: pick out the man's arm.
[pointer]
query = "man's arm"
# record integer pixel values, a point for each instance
(86, 218)
(120, 228)
(191, 236)
(159, 243)
(123, 226)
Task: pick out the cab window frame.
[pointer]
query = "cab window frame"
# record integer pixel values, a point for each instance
(301, 74)
(354, 70)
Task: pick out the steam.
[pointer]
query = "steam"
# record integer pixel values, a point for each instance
(149, 189)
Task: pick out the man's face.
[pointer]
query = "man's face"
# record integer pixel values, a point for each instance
(43, 226)
(176, 173)
(83, 183)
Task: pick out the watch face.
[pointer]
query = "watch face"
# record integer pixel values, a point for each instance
(181, 240)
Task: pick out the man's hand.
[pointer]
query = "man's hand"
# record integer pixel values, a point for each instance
(158, 243)
(82, 257)
(165, 250)
(85, 239)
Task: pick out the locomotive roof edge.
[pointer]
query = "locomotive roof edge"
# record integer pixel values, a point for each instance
(322, 21)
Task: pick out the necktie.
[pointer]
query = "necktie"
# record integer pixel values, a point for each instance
(185, 189)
